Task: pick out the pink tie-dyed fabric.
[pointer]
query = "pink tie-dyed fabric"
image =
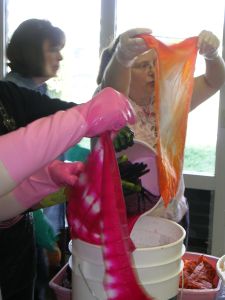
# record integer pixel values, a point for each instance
(97, 214)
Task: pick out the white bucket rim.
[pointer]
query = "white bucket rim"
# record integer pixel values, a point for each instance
(169, 277)
(167, 262)
(183, 249)
(143, 249)
(147, 282)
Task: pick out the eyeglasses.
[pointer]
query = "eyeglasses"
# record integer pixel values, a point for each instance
(143, 65)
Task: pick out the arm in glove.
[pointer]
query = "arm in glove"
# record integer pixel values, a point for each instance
(209, 83)
(32, 190)
(208, 45)
(29, 149)
(130, 46)
(44, 233)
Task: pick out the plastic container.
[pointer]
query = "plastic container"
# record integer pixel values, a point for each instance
(157, 260)
(90, 289)
(141, 152)
(220, 268)
(221, 293)
(61, 292)
(196, 294)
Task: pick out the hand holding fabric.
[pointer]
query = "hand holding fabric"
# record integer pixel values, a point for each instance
(130, 46)
(65, 173)
(208, 45)
(109, 110)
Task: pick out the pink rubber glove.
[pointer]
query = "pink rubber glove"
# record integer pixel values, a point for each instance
(29, 149)
(65, 173)
(109, 114)
(46, 181)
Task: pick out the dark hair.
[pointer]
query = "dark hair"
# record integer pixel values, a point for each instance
(106, 56)
(25, 49)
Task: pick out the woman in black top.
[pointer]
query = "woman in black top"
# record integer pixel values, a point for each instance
(19, 107)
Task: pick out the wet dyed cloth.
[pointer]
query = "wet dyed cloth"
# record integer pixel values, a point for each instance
(173, 92)
(97, 215)
(96, 210)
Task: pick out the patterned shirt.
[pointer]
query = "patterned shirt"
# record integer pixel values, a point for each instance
(145, 130)
(145, 126)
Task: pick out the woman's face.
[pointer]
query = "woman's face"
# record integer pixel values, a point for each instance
(52, 58)
(142, 76)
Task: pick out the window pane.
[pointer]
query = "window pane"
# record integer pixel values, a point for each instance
(172, 21)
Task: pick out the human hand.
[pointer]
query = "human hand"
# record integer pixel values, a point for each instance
(123, 139)
(130, 46)
(65, 173)
(102, 116)
(208, 45)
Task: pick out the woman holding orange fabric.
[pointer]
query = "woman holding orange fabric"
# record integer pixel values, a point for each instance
(136, 78)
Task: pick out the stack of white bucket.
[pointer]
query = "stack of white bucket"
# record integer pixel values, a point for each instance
(157, 261)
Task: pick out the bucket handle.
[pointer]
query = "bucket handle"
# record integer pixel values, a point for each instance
(86, 282)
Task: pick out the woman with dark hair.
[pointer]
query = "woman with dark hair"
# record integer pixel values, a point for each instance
(34, 51)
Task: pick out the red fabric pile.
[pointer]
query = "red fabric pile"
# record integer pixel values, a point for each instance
(198, 274)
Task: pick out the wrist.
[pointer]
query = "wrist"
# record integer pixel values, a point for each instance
(123, 59)
(212, 56)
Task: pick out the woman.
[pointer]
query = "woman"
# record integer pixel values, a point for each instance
(34, 54)
(135, 78)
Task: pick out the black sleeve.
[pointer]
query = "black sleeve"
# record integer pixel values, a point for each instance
(26, 105)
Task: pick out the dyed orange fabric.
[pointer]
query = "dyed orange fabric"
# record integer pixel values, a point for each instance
(173, 91)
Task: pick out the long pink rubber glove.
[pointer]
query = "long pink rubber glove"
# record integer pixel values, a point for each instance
(46, 181)
(29, 149)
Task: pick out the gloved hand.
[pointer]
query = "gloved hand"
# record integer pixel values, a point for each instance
(65, 173)
(47, 181)
(130, 46)
(44, 233)
(124, 139)
(208, 45)
(109, 110)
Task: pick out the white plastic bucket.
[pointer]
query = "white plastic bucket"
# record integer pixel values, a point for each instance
(161, 290)
(157, 261)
